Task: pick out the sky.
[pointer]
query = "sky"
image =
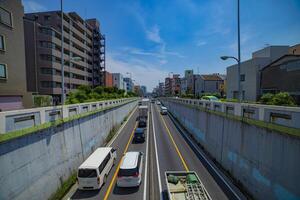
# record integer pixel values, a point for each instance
(149, 39)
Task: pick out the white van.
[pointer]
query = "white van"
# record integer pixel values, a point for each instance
(163, 110)
(93, 172)
(130, 172)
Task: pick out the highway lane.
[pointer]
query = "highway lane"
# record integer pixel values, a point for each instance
(170, 160)
(120, 143)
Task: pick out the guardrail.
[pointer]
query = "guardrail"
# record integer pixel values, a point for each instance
(281, 115)
(25, 118)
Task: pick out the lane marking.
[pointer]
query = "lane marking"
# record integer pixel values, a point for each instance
(118, 167)
(176, 148)
(204, 157)
(147, 157)
(156, 155)
(121, 128)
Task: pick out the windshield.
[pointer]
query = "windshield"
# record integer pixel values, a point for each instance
(127, 172)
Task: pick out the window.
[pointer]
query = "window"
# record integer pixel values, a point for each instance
(46, 71)
(242, 77)
(2, 43)
(87, 173)
(5, 17)
(3, 72)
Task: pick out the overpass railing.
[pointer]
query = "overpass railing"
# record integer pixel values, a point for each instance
(26, 118)
(281, 115)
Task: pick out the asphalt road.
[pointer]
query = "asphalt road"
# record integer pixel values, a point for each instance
(165, 149)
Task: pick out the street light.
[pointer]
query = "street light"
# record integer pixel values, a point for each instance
(238, 59)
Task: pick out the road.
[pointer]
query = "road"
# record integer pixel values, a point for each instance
(165, 149)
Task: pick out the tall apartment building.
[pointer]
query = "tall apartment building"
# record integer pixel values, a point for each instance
(83, 53)
(168, 85)
(13, 91)
(129, 84)
(175, 84)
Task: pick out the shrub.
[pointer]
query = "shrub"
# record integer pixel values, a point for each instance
(279, 99)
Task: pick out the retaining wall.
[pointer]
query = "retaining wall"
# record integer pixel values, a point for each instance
(265, 162)
(34, 166)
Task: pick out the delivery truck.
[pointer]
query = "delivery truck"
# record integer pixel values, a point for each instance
(185, 185)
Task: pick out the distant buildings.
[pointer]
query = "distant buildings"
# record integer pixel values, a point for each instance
(168, 85)
(13, 86)
(118, 81)
(211, 83)
(144, 90)
(108, 79)
(129, 84)
(282, 75)
(83, 53)
(250, 72)
(188, 83)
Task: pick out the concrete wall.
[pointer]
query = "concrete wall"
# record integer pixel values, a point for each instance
(34, 166)
(265, 162)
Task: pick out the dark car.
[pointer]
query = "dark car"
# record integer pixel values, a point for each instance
(139, 135)
(142, 123)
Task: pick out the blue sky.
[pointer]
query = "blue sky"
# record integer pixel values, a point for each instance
(150, 38)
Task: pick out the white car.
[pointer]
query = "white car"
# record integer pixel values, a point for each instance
(163, 110)
(158, 103)
(130, 172)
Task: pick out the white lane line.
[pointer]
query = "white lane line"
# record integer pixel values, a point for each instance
(146, 164)
(156, 155)
(206, 160)
(120, 129)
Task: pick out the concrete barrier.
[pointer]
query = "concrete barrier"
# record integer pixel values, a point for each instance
(265, 162)
(35, 165)
(25, 118)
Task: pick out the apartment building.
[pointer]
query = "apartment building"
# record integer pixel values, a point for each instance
(108, 79)
(175, 85)
(187, 83)
(168, 85)
(13, 91)
(83, 52)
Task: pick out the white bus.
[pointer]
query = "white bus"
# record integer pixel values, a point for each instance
(93, 172)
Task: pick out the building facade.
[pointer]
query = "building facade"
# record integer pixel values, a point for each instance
(108, 79)
(13, 85)
(118, 81)
(83, 52)
(175, 85)
(282, 75)
(210, 83)
(129, 84)
(168, 84)
(250, 73)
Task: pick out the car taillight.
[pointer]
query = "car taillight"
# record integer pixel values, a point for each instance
(136, 174)
(98, 180)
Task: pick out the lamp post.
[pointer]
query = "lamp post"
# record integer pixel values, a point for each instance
(238, 59)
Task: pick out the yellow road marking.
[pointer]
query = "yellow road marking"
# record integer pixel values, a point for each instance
(118, 167)
(176, 148)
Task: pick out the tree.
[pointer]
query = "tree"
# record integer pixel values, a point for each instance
(279, 99)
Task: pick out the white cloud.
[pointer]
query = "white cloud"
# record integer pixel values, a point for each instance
(32, 6)
(153, 35)
(201, 43)
(145, 73)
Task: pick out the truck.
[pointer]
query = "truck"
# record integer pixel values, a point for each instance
(143, 112)
(185, 185)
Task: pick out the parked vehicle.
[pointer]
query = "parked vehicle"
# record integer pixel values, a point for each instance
(210, 98)
(185, 185)
(93, 172)
(139, 135)
(163, 110)
(143, 112)
(130, 172)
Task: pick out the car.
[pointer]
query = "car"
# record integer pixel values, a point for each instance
(139, 103)
(152, 100)
(142, 123)
(93, 172)
(210, 98)
(139, 135)
(158, 103)
(163, 110)
(131, 168)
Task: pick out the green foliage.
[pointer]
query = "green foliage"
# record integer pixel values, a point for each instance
(87, 94)
(279, 99)
(42, 100)
(66, 185)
